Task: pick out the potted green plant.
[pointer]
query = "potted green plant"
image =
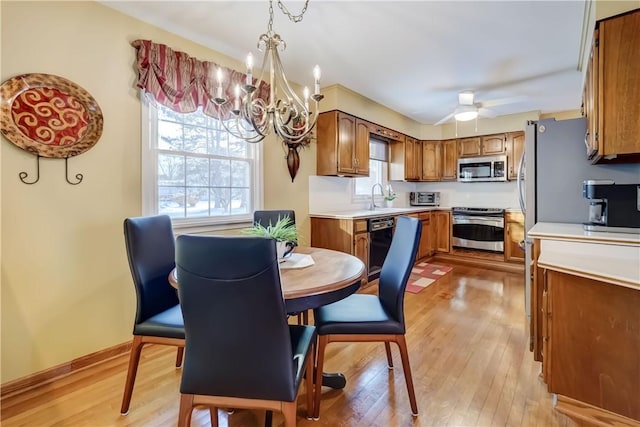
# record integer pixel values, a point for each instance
(284, 232)
(389, 197)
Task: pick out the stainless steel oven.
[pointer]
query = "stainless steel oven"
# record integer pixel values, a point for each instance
(380, 235)
(478, 228)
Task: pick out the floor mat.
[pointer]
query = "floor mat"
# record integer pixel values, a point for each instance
(424, 274)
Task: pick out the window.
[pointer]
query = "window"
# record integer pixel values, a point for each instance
(195, 171)
(378, 171)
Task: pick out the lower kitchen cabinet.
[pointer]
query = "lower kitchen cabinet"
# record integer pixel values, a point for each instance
(442, 228)
(427, 239)
(345, 235)
(513, 236)
(591, 345)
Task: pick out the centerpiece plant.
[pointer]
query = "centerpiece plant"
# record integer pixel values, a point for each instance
(284, 232)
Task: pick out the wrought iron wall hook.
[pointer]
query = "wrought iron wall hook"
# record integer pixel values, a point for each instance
(79, 176)
(24, 175)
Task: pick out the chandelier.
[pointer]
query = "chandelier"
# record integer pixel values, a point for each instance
(252, 118)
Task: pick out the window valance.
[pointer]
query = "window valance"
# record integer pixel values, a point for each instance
(183, 83)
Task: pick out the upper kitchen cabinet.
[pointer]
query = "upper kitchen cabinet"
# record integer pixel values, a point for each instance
(488, 145)
(449, 160)
(469, 147)
(405, 163)
(343, 145)
(515, 149)
(431, 160)
(612, 90)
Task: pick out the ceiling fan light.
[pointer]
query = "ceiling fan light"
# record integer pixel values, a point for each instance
(465, 113)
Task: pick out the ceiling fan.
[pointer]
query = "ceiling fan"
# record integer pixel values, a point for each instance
(467, 109)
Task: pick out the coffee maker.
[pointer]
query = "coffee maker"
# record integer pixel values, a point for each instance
(612, 207)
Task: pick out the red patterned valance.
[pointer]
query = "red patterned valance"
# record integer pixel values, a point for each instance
(183, 83)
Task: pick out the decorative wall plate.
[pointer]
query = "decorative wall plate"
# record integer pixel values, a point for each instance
(49, 116)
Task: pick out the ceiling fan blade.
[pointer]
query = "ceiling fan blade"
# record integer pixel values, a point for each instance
(504, 101)
(485, 112)
(444, 119)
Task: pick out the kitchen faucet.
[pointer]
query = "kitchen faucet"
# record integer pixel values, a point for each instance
(373, 201)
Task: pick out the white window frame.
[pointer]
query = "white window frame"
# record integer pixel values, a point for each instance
(149, 180)
(361, 197)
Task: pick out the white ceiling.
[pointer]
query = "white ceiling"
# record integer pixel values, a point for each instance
(411, 56)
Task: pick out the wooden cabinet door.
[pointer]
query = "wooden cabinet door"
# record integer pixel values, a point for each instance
(590, 100)
(361, 248)
(492, 145)
(412, 159)
(443, 231)
(618, 94)
(449, 171)
(515, 148)
(469, 147)
(431, 160)
(513, 235)
(361, 150)
(425, 237)
(346, 143)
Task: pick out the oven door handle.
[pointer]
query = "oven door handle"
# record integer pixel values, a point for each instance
(495, 222)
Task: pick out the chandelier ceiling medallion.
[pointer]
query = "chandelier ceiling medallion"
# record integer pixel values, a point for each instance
(253, 118)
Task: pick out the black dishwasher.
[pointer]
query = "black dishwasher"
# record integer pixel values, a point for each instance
(380, 235)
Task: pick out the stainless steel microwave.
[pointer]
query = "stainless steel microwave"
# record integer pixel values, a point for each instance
(478, 169)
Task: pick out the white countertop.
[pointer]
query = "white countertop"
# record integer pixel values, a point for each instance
(367, 213)
(575, 232)
(607, 257)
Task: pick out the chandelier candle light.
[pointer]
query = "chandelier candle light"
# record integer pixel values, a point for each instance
(253, 118)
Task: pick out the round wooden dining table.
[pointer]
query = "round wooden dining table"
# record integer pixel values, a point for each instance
(332, 276)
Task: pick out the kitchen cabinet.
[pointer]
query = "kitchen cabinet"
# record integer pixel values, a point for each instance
(405, 163)
(345, 235)
(513, 236)
(591, 347)
(612, 90)
(342, 144)
(427, 238)
(469, 147)
(442, 229)
(431, 161)
(487, 145)
(449, 160)
(515, 148)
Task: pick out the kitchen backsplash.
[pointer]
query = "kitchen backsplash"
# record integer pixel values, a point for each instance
(328, 193)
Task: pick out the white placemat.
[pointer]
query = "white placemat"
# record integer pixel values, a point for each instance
(297, 261)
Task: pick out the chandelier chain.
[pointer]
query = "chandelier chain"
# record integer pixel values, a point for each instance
(292, 17)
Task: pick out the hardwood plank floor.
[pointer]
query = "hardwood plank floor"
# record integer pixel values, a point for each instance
(467, 346)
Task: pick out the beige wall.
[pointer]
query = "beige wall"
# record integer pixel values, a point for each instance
(66, 286)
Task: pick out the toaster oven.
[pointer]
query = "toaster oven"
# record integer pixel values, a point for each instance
(424, 198)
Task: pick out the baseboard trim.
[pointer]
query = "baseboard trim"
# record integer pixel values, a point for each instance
(478, 262)
(23, 384)
(592, 414)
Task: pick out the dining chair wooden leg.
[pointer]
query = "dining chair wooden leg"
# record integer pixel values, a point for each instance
(134, 359)
(289, 412)
(323, 340)
(268, 418)
(213, 414)
(186, 408)
(179, 356)
(387, 348)
(309, 383)
(404, 355)
(305, 317)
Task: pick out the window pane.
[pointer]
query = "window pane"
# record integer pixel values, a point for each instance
(169, 136)
(195, 139)
(220, 173)
(171, 201)
(218, 142)
(197, 202)
(240, 174)
(220, 201)
(171, 170)
(197, 171)
(240, 201)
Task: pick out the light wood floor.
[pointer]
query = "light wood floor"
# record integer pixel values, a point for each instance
(468, 350)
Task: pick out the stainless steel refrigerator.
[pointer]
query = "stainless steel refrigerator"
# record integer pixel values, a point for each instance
(555, 164)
